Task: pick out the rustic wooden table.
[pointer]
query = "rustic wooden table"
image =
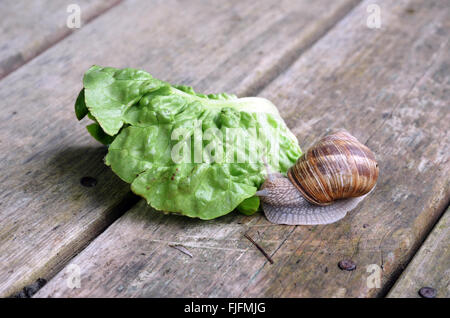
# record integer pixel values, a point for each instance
(325, 65)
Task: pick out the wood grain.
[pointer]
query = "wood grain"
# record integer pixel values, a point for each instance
(47, 216)
(390, 88)
(30, 27)
(430, 267)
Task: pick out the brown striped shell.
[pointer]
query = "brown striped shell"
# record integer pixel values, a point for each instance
(338, 166)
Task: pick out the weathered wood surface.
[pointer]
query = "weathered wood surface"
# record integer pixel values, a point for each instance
(430, 267)
(390, 88)
(29, 27)
(47, 216)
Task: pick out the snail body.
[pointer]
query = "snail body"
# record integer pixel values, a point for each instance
(326, 182)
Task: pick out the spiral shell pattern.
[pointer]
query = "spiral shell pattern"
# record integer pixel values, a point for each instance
(338, 166)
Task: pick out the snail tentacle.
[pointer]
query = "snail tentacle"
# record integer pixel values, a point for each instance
(262, 193)
(271, 175)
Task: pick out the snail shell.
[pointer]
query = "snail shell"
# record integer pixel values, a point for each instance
(326, 182)
(336, 167)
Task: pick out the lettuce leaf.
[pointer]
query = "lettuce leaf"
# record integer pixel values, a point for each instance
(249, 206)
(153, 130)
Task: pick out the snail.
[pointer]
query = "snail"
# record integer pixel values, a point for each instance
(325, 183)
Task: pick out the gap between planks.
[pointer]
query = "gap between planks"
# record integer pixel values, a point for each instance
(416, 275)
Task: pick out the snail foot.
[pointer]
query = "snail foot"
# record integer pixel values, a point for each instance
(305, 213)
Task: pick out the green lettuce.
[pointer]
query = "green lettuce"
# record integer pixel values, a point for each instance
(184, 152)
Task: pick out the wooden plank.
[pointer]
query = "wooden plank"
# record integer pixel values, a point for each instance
(389, 87)
(30, 27)
(47, 217)
(430, 267)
